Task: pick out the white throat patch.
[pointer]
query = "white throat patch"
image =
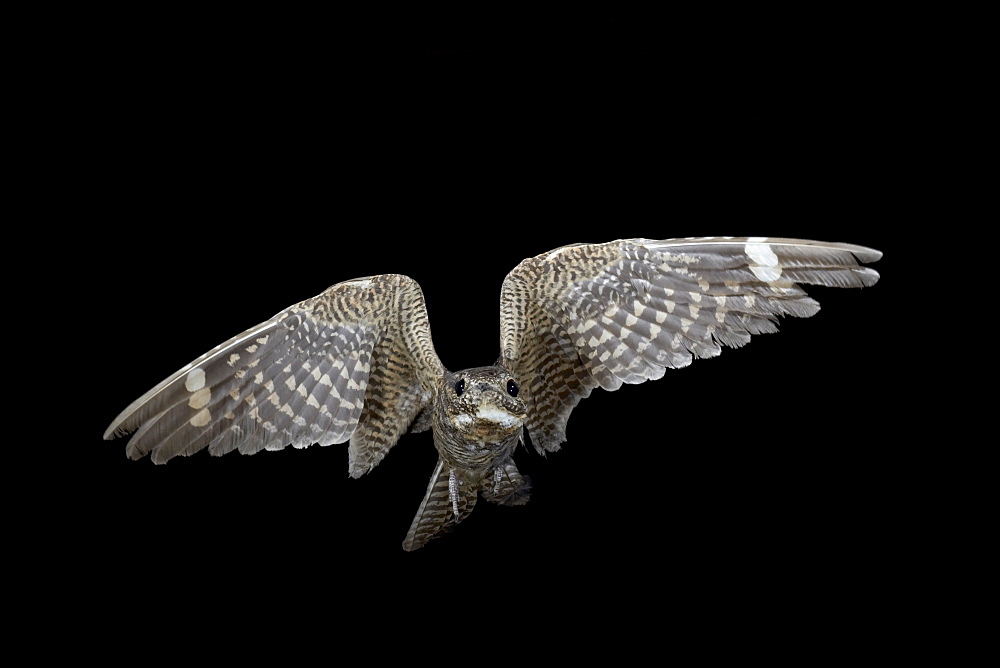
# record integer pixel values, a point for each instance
(491, 413)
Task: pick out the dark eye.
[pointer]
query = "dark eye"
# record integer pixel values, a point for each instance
(460, 387)
(512, 388)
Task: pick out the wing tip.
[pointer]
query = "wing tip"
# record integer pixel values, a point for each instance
(868, 276)
(864, 253)
(118, 429)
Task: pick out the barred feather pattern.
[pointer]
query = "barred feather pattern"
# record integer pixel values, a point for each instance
(600, 315)
(356, 363)
(353, 363)
(436, 513)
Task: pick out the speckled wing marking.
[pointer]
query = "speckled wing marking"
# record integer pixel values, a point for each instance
(354, 363)
(599, 315)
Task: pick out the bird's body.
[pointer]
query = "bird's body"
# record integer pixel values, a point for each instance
(478, 422)
(356, 363)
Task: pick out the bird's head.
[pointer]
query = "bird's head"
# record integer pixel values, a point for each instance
(483, 403)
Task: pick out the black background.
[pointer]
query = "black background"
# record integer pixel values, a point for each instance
(230, 183)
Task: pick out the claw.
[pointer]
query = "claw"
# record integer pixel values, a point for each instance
(497, 477)
(453, 490)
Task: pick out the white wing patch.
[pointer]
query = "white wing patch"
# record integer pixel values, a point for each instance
(764, 262)
(195, 380)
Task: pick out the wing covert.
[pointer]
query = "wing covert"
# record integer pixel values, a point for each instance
(600, 315)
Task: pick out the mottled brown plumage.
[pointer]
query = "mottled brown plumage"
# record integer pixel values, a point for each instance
(356, 363)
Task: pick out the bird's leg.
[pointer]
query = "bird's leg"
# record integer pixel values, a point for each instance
(453, 490)
(497, 477)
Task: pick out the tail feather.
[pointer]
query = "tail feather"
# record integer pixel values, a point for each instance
(436, 513)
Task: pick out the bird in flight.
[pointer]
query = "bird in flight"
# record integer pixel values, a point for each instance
(356, 363)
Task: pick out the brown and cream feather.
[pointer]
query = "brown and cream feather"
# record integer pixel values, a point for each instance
(357, 364)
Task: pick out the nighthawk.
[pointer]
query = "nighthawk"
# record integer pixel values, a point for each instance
(356, 363)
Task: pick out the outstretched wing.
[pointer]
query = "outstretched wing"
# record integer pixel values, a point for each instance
(354, 363)
(599, 315)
